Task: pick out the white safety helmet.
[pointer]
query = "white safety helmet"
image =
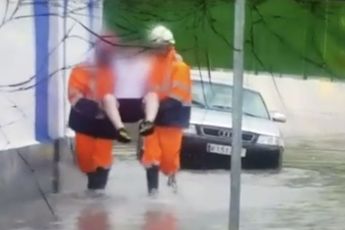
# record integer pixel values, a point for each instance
(160, 35)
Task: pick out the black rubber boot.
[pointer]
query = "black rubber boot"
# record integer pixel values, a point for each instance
(97, 182)
(172, 182)
(152, 176)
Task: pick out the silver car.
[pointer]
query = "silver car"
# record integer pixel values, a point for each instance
(207, 142)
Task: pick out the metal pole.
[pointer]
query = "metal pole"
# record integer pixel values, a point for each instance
(91, 12)
(56, 170)
(234, 215)
(64, 63)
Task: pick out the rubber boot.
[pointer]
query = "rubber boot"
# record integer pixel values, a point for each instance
(97, 182)
(152, 176)
(172, 182)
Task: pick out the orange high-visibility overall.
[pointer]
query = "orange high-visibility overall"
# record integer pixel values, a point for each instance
(171, 79)
(91, 152)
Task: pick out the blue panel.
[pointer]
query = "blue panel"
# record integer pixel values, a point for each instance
(91, 8)
(65, 6)
(41, 9)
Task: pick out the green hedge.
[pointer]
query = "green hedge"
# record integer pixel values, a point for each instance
(282, 36)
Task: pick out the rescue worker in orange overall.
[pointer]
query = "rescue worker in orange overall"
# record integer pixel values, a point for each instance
(172, 82)
(94, 117)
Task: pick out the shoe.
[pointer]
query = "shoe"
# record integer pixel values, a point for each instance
(152, 176)
(172, 183)
(146, 128)
(123, 136)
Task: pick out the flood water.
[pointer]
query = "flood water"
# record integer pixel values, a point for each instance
(308, 194)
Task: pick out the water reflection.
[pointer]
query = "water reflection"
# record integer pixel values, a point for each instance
(297, 198)
(159, 219)
(93, 218)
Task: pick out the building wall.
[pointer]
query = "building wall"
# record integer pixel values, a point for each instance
(37, 51)
(17, 62)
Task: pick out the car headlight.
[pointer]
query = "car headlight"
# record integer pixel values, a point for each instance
(190, 130)
(270, 140)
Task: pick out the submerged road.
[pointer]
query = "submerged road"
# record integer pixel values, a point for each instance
(308, 194)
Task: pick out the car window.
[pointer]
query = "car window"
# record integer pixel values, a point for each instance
(198, 98)
(253, 105)
(219, 97)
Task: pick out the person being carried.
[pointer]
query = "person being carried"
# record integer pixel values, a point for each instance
(137, 102)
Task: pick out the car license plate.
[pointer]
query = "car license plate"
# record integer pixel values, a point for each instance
(222, 149)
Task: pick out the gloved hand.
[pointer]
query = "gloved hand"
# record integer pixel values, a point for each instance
(123, 136)
(146, 128)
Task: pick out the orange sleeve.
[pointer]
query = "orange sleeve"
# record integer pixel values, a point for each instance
(105, 83)
(181, 82)
(77, 83)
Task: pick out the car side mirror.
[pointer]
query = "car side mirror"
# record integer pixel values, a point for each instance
(278, 117)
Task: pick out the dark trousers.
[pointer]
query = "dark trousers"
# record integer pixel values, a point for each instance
(131, 110)
(98, 179)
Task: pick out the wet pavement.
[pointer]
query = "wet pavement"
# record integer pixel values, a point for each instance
(307, 194)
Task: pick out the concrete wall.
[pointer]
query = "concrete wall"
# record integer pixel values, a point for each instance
(35, 61)
(17, 64)
(313, 108)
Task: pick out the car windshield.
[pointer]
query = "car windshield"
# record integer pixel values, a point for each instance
(219, 97)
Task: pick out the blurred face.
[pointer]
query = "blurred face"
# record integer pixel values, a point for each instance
(128, 51)
(162, 50)
(103, 57)
(104, 53)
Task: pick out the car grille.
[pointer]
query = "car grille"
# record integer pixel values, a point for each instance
(225, 133)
